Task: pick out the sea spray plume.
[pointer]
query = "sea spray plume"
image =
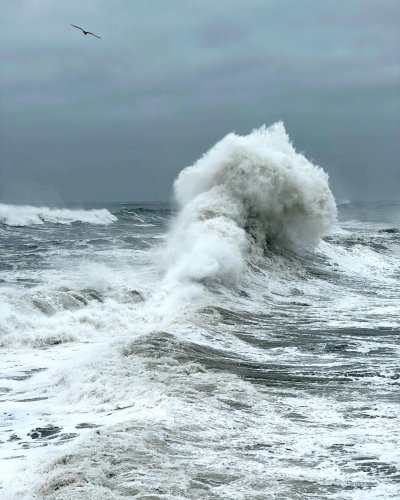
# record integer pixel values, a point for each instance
(244, 191)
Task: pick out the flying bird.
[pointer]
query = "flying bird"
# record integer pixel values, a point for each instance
(85, 32)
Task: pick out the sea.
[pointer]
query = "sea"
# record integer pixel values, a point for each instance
(240, 342)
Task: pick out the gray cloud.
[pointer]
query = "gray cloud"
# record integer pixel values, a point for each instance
(118, 118)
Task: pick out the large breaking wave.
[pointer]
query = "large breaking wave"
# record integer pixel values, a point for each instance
(26, 215)
(244, 192)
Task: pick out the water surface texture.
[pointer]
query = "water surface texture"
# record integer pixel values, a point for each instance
(242, 345)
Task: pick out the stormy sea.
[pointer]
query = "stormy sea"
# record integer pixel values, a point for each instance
(241, 342)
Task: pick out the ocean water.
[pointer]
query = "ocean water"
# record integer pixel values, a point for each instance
(242, 343)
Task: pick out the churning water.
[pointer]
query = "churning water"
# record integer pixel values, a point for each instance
(242, 345)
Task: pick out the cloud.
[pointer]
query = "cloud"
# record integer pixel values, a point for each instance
(173, 78)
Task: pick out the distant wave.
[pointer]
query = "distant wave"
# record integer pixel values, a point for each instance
(243, 193)
(25, 215)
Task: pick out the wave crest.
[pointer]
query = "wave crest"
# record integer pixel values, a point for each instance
(244, 191)
(25, 215)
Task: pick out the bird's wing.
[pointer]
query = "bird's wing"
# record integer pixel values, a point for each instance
(90, 33)
(77, 27)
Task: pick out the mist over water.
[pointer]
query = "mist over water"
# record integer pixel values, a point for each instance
(243, 345)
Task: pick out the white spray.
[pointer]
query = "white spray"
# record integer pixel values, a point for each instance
(244, 191)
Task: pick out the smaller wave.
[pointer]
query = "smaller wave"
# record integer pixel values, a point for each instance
(26, 215)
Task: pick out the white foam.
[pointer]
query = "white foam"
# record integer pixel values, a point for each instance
(175, 423)
(76, 298)
(26, 215)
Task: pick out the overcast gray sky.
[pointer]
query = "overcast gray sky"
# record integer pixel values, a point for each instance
(84, 119)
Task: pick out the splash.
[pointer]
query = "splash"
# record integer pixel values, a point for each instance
(243, 192)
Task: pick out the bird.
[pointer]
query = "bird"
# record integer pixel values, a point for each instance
(85, 32)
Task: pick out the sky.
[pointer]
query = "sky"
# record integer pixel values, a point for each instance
(117, 118)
